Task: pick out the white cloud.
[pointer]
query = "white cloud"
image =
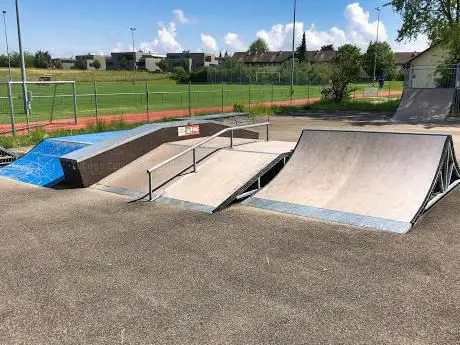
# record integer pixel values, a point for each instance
(208, 42)
(119, 47)
(234, 42)
(167, 38)
(180, 17)
(418, 45)
(359, 30)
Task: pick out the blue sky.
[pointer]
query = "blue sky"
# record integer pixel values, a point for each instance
(66, 27)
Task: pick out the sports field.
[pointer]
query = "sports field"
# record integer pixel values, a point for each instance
(50, 102)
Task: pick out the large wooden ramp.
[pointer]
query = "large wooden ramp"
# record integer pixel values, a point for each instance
(425, 105)
(370, 179)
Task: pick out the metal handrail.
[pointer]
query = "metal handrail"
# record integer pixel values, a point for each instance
(194, 147)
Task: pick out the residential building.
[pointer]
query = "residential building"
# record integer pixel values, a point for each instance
(274, 60)
(86, 62)
(144, 61)
(422, 68)
(194, 61)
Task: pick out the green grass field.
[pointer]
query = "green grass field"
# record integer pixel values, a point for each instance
(123, 97)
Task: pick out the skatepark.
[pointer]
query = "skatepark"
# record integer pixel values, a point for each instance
(95, 256)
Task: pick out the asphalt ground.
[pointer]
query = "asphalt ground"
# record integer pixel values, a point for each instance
(89, 267)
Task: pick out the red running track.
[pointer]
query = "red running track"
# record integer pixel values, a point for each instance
(156, 115)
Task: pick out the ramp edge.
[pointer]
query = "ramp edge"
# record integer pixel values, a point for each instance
(398, 227)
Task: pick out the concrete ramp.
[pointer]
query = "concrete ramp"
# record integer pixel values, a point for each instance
(425, 105)
(370, 179)
(225, 175)
(92, 164)
(131, 180)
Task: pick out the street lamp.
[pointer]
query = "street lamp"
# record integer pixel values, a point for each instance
(378, 9)
(134, 55)
(293, 51)
(7, 45)
(23, 63)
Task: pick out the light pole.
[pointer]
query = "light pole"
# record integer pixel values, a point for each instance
(293, 51)
(7, 45)
(134, 55)
(376, 45)
(23, 63)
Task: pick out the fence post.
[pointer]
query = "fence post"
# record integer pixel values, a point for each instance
(222, 95)
(249, 84)
(190, 98)
(96, 105)
(457, 82)
(147, 98)
(408, 77)
(10, 98)
(74, 95)
(273, 92)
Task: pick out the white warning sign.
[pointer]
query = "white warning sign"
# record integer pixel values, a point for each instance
(188, 131)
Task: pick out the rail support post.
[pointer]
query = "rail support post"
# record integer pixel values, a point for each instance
(194, 160)
(10, 98)
(150, 186)
(74, 95)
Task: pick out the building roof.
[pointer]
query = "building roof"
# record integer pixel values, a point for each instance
(267, 57)
(404, 57)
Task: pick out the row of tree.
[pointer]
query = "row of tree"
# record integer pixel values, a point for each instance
(40, 59)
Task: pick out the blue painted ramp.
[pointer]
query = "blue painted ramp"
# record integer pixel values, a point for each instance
(42, 166)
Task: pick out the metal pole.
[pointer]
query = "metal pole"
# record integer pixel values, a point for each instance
(134, 55)
(190, 98)
(293, 51)
(7, 45)
(376, 46)
(150, 186)
(147, 97)
(194, 160)
(268, 130)
(23, 63)
(95, 102)
(74, 91)
(10, 97)
(249, 93)
(222, 95)
(231, 138)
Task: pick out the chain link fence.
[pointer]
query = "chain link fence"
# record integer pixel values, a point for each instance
(152, 101)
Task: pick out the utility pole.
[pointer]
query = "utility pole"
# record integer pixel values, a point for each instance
(293, 51)
(376, 45)
(23, 63)
(7, 45)
(134, 55)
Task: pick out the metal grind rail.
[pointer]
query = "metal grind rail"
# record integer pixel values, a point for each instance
(194, 147)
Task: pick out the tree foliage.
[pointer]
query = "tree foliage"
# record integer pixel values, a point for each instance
(328, 47)
(97, 64)
(429, 17)
(163, 65)
(58, 64)
(42, 59)
(301, 52)
(258, 46)
(385, 62)
(344, 70)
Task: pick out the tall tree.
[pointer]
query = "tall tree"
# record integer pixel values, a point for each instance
(344, 70)
(381, 53)
(327, 47)
(258, 46)
(301, 53)
(42, 59)
(428, 17)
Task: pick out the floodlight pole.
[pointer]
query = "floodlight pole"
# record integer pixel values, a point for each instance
(23, 63)
(293, 51)
(134, 55)
(7, 45)
(376, 45)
